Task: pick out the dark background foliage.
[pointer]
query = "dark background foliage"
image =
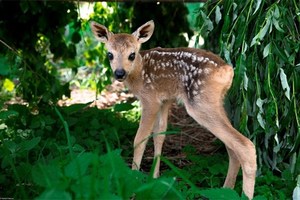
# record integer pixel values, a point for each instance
(27, 29)
(170, 23)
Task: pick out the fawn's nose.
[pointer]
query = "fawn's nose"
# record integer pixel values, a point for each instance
(120, 74)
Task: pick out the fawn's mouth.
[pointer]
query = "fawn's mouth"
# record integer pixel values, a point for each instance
(120, 80)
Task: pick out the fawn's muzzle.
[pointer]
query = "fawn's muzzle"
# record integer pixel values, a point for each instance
(120, 74)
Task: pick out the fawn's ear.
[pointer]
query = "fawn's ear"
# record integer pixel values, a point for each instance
(100, 32)
(144, 32)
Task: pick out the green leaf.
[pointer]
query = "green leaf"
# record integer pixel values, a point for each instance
(123, 107)
(10, 145)
(28, 145)
(246, 80)
(207, 25)
(277, 26)
(75, 108)
(296, 192)
(260, 198)
(162, 188)
(55, 194)
(78, 166)
(258, 2)
(216, 169)
(241, 66)
(261, 121)
(277, 148)
(218, 15)
(8, 85)
(221, 194)
(95, 123)
(3, 126)
(24, 6)
(266, 50)
(35, 122)
(49, 120)
(279, 52)
(76, 37)
(298, 180)
(47, 176)
(276, 13)
(265, 29)
(262, 32)
(285, 84)
(226, 24)
(4, 115)
(227, 55)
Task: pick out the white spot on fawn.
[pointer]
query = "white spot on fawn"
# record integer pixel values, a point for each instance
(207, 71)
(186, 77)
(194, 58)
(195, 72)
(196, 86)
(199, 59)
(205, 60)
(152, 61)
(146, 56)
(193, 68)
(213, 63)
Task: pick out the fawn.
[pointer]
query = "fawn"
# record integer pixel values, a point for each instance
(159, 76)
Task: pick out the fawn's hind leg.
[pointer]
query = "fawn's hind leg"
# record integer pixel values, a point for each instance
(207, 109)
(241, 148)
(233, 169)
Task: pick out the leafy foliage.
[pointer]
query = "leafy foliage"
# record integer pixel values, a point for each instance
(74, 152)
(28, 41)
(261, 39)
(43, 143)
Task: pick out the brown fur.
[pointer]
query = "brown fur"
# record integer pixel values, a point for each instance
(199, 78)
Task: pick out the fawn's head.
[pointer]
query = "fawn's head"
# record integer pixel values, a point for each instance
(123, 49)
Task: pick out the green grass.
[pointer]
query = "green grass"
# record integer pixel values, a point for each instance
(78, 153)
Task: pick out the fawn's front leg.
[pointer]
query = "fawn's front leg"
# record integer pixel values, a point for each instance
(160, 127)
(150, 111)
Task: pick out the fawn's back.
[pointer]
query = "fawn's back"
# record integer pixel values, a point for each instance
(178, 72)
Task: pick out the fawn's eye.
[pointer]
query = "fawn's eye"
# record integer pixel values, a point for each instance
(131, 57)
(110, 56)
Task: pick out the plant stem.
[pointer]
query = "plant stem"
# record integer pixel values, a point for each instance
(67, 131)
